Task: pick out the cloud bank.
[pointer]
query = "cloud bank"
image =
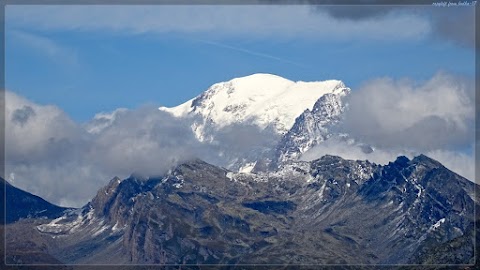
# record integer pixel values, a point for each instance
(264, 21)
(66, 163)
(320, 22)
(438, 113)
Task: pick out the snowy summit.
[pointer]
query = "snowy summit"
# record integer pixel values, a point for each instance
(258, 99)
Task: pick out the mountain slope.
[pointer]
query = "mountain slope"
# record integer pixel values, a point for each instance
(21, 204)
(328, 211)
(23, 243)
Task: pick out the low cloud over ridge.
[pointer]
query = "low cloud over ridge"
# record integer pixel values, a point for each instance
(402, 117)
(50, 155)
(66, 163)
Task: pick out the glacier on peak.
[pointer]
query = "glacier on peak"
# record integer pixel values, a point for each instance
(263, 100)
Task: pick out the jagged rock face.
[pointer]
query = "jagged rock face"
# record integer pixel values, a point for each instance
(326, 211)
(312, 126)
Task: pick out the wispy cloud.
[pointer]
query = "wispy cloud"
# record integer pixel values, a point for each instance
(264, 21)
(48, 47)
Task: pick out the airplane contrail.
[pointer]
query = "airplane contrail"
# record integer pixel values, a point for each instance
(251, 52)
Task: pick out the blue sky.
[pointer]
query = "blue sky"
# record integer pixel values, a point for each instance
(92, 59)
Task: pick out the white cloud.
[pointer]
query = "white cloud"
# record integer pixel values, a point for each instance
(103, 120)
(438, 113)
(66, 183)
(45, 152)
(347, 150)
(402, 117)
(145, 141)
(51, 156)
(283, 21)
(460, 163)
(32, 130)
(56, 158)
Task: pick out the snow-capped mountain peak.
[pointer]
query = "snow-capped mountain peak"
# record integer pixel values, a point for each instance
(259, 99)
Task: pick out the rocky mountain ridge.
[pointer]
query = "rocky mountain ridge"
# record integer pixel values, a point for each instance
(319, 212)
